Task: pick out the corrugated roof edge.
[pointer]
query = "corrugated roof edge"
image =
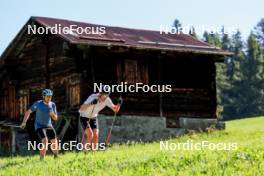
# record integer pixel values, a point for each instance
(190, 47)
(183, 48)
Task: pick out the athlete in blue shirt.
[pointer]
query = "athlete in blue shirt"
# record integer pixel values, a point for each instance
(45, 111)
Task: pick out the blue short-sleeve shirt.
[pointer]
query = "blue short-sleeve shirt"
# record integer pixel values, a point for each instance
(43, 119)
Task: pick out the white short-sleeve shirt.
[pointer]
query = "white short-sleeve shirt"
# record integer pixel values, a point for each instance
(93, 110)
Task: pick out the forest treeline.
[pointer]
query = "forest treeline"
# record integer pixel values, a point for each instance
(240, 79)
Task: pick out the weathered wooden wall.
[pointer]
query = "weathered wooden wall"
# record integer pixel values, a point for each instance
(8, 100)
(71, 70)
(192, 78)
(42, 63)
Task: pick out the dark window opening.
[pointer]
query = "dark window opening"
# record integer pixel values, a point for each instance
(172, 122)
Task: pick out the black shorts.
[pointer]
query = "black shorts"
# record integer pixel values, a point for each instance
(92, 122)
(48, 132)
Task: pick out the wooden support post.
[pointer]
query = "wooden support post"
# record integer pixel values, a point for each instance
(92, 69)
(64, 129)
(47, 61)
(159, 80)
(0, 137)
(80, 130)
(13, 141)
(213, 90)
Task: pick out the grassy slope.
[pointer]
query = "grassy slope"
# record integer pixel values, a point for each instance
(148, 159)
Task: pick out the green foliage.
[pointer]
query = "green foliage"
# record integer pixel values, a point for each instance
(259, 32)
(240, 80)
(253, 71)
(213, 39)
(177, 24)
(192, 32)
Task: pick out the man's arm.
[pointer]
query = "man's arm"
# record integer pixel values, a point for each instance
(26, 116)
(116, 108)
(53, 113)
(84, 107)
(53, 116)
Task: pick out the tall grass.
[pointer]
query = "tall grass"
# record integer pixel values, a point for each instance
(148, 159)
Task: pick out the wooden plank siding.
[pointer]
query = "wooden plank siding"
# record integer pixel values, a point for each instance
(73, 69)
(29, 72)
(8, 101)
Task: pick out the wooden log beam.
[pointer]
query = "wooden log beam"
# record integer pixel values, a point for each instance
(159, 81)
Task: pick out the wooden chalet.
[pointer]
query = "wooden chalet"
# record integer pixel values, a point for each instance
(69, 64)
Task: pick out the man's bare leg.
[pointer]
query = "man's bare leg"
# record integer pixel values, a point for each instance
(95, 139)
(54, 147)
(89, 135)
(42, 151)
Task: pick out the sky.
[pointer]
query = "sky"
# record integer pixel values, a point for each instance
(142, 14)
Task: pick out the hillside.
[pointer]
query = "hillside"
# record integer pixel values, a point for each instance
(148, 159)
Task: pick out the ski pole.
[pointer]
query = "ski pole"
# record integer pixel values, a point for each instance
(110, 131)
(120, 102)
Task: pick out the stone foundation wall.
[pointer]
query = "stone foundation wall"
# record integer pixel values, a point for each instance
(136, 128)
(126, 128)
(198, 124)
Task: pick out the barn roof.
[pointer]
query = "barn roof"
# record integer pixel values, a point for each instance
(119, 36)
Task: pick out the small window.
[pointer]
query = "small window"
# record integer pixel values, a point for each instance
(172, 122)
(23, 101)
(135, 71)
(74, 95)
(131, 71)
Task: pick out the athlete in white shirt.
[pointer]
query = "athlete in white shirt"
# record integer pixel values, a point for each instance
(89, 111)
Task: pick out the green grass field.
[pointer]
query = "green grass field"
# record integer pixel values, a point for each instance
(148, 159)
